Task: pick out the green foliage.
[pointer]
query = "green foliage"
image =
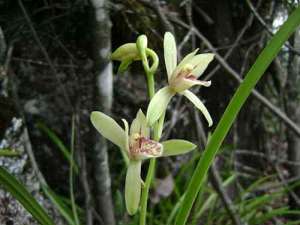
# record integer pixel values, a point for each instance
(18, 191)
(60, 205)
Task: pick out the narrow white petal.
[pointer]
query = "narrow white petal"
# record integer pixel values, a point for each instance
(200, 62)
(198, 103)
(108, 128)
(170, 53)
(133, 186)
(158, 104)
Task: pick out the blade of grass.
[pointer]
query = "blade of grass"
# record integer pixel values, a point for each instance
(58, 142)
(273, 213)
(236, 103)
(59, 204)
(18, 191)
(71, 177)
(211, 199)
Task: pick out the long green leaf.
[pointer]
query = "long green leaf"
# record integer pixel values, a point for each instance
(18, 191)
(63, 209)
(236, 103)
(72, 195)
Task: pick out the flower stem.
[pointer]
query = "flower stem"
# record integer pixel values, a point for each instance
(151, 168)
(150, 83)
(145, 191)
(150, 71)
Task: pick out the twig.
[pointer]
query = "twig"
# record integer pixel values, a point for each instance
(235, 44)
(3, 46)
(176, 115)
(84, 180)
(286, 185)
(217, 184)
(155, 6)
(273, 159)
(45, 53)
(42, 63)
(204, 15)
(189, 14)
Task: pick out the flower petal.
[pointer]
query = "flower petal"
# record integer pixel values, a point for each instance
(183, 62)
(108, 128)
(133, 186)
(170, 53)
(200, 62)
(158, 104)
(198, 103)
(177, 147)
(139, 125)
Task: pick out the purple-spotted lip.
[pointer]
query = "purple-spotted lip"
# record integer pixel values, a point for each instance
(143, 146)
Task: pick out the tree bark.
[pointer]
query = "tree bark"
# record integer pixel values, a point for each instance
(293, 110)
(104, 86)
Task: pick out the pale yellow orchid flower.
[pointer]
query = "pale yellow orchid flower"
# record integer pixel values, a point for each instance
(136, 145)
(181, 77)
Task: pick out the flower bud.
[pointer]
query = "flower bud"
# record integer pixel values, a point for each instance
(126, 52)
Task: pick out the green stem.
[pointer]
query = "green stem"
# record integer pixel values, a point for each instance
(236, 103)
(156, 136)
(145, 192)
(150, 84)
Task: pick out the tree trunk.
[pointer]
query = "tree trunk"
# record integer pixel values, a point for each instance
(104, 86)
(293, 110)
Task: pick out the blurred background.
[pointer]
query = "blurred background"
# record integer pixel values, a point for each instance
(54, 66)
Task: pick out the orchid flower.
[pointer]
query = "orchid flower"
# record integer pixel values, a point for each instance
(136, 145)
(181, 77)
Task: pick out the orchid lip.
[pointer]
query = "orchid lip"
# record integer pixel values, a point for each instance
(143, 147)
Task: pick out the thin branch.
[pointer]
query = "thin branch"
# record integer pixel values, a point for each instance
(155, 6)
(84, 178)
(204, 15)
(42, 63)
(286, 185)
(45, 53)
